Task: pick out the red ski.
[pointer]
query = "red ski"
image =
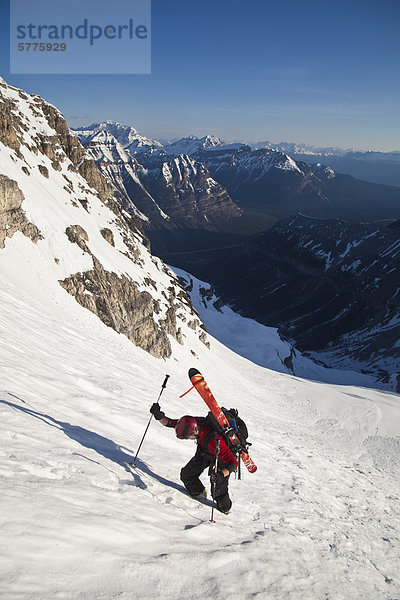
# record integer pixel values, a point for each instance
(201, 386)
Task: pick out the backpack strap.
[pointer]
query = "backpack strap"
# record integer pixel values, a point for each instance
(216, 430)
(207, 439)
(235, 449)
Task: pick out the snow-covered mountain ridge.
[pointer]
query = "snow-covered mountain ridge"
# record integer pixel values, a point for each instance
(54, 194)
(174, 194)
(249, 164)
(376, 167)
(192, 144)
(296, 148)
(128, 137)
(276, 185)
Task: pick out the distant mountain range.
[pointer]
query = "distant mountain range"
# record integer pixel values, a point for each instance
(197, 192)
(372, 166)
(275, 185)
(376, 167)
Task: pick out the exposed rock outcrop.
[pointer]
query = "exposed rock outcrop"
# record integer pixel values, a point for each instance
(77, 235)
(90, 171)
(10, 123)
(11, 196)
(117, 301)
(44, 171)
(12, 217)
(69, 143)
(108, 235)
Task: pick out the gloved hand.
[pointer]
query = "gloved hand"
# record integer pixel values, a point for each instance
(216, 476)
(157, 412)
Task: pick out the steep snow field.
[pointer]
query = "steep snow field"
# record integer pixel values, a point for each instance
(319, 519)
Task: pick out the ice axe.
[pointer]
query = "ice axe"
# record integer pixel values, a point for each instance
(164, 385)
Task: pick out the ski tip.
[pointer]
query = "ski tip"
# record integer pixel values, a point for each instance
(193, 372)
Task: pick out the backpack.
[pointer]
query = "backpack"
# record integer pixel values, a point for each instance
(237, 424)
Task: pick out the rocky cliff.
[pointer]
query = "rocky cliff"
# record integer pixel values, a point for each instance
(188, 195)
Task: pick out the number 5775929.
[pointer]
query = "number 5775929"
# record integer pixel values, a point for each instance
(42, 47)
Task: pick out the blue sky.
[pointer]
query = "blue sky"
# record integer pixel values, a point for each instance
(321, 72)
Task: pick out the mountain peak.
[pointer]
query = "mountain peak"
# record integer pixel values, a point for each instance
(192, 144)
(211, 140)
(126, 135)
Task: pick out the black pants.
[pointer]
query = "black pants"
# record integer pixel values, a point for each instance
(190, 478)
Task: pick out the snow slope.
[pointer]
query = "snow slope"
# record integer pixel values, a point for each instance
(319, 519)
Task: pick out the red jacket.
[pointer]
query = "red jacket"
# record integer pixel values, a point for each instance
(225, 455)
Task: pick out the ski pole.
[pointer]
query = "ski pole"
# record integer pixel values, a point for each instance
(148, 424)
(213, 485)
